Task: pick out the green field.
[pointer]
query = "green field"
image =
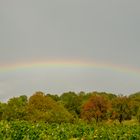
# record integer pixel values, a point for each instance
(22, 130)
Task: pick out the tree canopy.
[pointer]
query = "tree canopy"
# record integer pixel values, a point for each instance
(70, 106)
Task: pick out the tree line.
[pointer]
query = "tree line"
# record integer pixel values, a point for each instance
(71, 106)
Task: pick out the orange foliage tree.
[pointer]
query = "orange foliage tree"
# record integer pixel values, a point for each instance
(96, 107)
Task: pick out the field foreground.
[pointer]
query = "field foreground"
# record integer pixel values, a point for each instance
(22, 130)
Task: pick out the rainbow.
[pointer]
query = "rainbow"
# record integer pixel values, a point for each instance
(68, 64)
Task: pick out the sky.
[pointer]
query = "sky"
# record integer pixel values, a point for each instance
(56, 46)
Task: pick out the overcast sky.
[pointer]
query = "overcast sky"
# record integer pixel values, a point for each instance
(107, 31)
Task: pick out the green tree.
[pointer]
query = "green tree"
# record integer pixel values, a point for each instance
(72, 102)
(54, 97)
(121, 108)
(2, 110)
(135, 101)
(15, 108)
(138, 115)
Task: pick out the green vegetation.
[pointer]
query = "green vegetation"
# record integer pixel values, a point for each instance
(71, 116)
(22, 130)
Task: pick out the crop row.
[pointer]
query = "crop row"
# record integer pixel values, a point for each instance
(22, 130)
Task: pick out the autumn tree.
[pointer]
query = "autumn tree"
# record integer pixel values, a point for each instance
(43, 108)
(96, 107)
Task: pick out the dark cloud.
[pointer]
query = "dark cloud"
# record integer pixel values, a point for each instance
(88, 30)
